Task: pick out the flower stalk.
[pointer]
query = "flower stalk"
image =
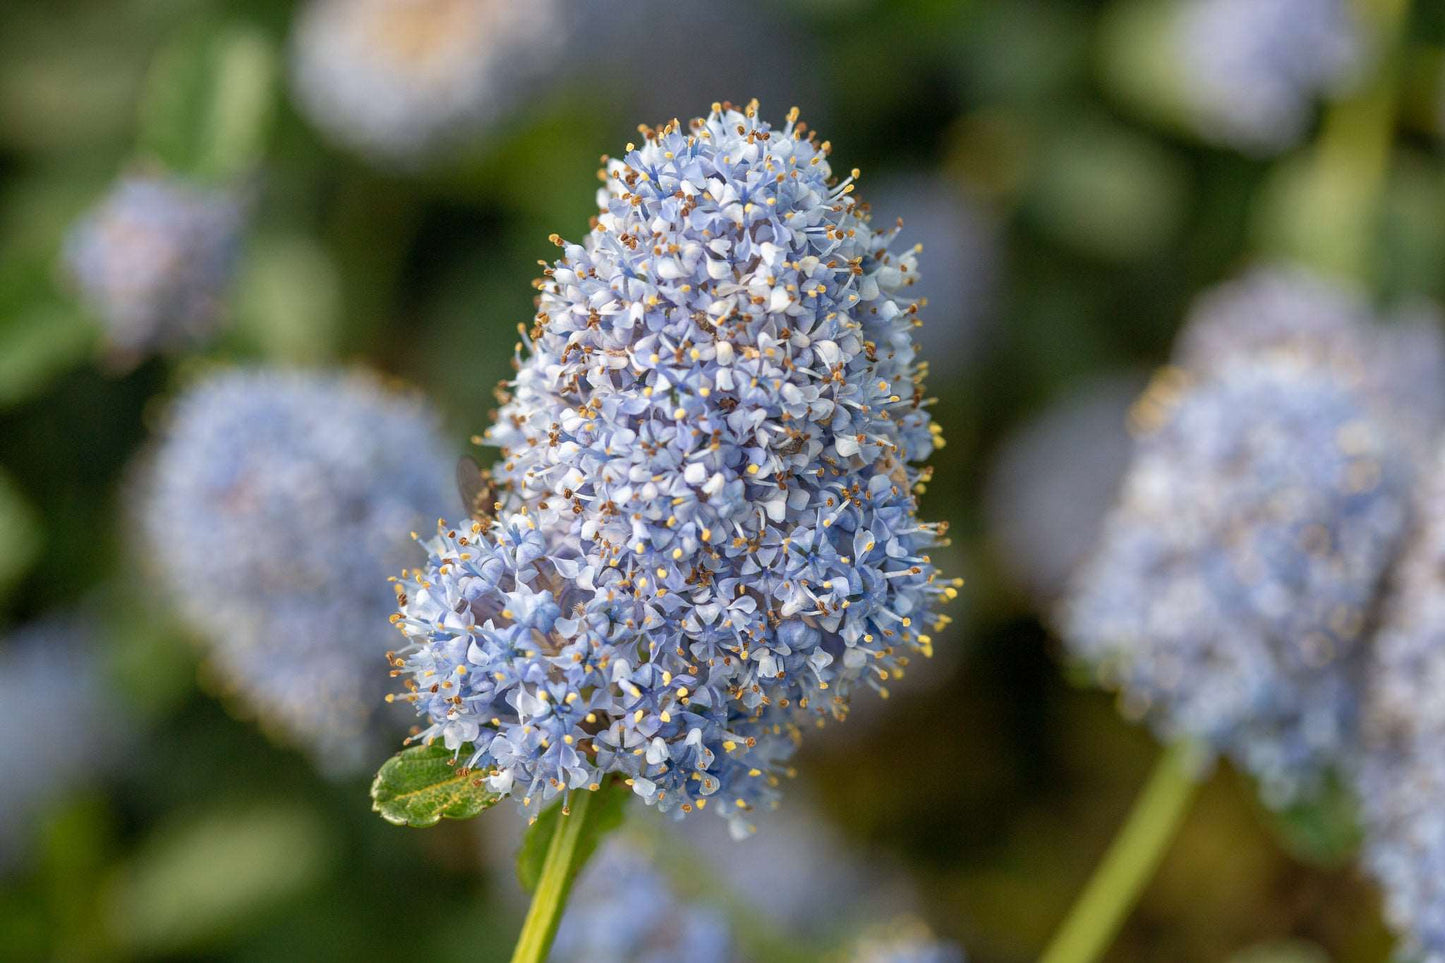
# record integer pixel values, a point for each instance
(566, 854)
(1131, 860)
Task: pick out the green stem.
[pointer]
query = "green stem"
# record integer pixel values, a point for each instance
(565, 855)
(1332, 221)
(1130, 862)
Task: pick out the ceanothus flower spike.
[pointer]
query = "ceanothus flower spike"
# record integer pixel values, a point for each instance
(707, 528)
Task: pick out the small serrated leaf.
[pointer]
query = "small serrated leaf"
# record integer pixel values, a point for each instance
(603, 815)
(422, 785)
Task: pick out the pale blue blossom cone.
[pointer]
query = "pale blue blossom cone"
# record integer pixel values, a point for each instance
(708, 532)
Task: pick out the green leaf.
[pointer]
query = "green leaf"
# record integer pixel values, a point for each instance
(208, 100)
(422, 785)
(604, 815)
(21, 534)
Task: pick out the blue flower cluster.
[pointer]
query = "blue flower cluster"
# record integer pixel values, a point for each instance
(59, 719)
(1236, 578)
(707, 530)
(624, 911)
(154, 259)
(1401, 771)
(400, 79)
(1253, 69)
(278, 501)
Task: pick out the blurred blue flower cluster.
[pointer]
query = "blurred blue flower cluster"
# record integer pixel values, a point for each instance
(275, 505)
(1401, 769)
(708, 530)
(400, 80)
(1269, 584)
(1254, 69)
(155, 258)
(624, 909)
(64, 720)
(1236, 582)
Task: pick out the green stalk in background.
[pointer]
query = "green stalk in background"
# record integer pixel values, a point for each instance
(1131, 860)
(1323, 209)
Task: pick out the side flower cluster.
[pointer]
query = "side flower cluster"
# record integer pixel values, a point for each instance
(154, 258)
(277, 502)
(1239, 577)
(706, 532)
(1235, 579)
